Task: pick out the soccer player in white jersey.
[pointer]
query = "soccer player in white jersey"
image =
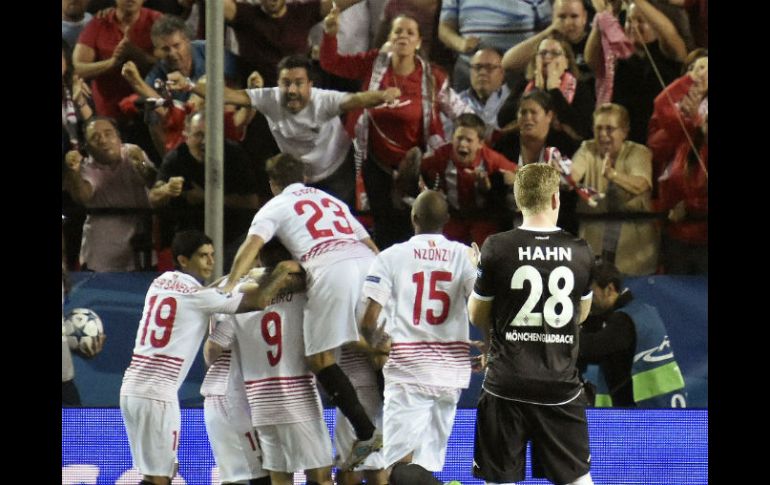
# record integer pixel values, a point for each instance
(285, 407)
(227, 416)
(428, 279)
(335, 250)
(362, 362)
(174, 321)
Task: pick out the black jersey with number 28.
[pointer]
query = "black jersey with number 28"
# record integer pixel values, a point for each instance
(536, 280)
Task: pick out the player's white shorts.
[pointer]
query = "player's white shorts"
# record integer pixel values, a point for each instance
(153, 433)
(295, 447)
(333, 295)
(414, 421)
(345, 435)
(232, 438)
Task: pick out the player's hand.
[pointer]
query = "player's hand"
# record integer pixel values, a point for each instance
(479, 362)
(289, 266)
(474, 254)
(380, 340)
(228, 287)
(379, 346)
(256, 274)
(603, 6)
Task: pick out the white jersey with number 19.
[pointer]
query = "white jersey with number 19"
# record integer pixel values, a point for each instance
(174, 321)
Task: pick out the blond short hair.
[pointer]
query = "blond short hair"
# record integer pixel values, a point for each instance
(534, 186)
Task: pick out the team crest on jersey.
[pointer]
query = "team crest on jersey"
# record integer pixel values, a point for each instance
(373, 279)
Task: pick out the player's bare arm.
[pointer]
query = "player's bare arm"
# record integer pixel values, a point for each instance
(296, 278)
(211, 351)
(374, 341)
(259, 296)
(370, 244)
(243, 260)
(369, 321)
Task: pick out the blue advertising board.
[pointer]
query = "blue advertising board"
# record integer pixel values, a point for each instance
(628, 446)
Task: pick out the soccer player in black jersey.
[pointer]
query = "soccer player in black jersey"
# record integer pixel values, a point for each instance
(533, 289)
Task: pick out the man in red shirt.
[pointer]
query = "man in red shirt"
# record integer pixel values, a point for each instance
(106, 43)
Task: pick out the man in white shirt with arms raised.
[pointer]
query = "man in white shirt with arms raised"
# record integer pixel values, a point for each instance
(305, 121)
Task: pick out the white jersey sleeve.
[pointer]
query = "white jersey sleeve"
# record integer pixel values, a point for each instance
(379, 282)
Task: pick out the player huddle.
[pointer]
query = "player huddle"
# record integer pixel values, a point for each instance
(326, 307)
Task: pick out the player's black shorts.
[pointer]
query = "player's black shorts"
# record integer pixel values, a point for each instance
(559, 436)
